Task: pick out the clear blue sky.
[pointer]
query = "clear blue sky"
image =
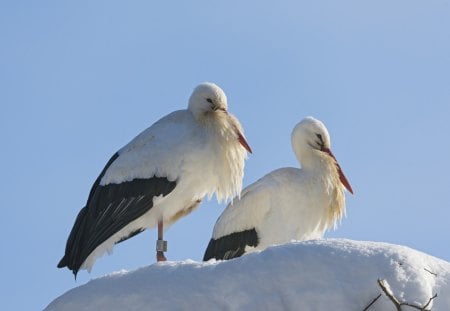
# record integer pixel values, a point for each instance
(79, 79)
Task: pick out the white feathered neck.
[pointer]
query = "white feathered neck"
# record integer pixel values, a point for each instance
(319, 166)
(228, 152)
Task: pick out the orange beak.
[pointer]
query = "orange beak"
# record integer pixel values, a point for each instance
(243, 142)
(342, 177)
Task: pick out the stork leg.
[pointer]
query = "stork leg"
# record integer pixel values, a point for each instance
(161, 245)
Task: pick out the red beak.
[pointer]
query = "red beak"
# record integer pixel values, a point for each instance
(243, 142)
(342, 177)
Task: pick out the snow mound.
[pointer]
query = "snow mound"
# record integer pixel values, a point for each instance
(333, 274)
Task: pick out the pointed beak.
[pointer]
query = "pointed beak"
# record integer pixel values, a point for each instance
(243, 142)
(215, 107)
(240, 137)
(342, 177)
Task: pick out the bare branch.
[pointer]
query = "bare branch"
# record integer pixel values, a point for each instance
(370, 304)
(383, 284)
(387, 291)
(435, 274)
(424, 308)
(429, 301)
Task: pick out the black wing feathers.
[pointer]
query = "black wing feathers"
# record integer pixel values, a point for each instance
(99, 178)
(232, 245)
(73, 242)
(108, 210)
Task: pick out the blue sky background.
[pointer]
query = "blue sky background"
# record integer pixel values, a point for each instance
(79, 79)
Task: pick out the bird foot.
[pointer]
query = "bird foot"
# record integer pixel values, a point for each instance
(161, 247)
(160, 256)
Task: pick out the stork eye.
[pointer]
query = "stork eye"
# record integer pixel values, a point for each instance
(320, 142)
(320, 138)
(209, 100)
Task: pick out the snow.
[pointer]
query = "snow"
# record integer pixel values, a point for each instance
(332, 274)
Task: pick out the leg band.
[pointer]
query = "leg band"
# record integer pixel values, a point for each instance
(161, 246)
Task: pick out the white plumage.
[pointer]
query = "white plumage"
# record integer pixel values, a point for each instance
(288, 203)
(161, 175)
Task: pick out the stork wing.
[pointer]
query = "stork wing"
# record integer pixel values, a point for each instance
(147, 167)
(108, 210)
(231, 246)
(237, 227)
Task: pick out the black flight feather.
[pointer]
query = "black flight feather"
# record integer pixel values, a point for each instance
(109, 209)
(232, 245)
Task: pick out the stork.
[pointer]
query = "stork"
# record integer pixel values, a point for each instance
(288, 203)
(160, 176)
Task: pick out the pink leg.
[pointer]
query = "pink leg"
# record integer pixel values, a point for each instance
(161, 245)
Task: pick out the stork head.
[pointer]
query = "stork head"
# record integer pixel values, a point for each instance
(311, 143)
(207, 98)
(208, 102)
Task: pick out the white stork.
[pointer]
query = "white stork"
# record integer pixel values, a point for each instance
(160, 176)
(288, 203)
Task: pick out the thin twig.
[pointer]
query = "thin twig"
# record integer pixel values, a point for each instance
(389, 295)
(399, 304)
(424, 308)
(373, 301)
(435, 274)
(429, 301)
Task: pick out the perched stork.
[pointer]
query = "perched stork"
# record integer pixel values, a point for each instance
(161, 175)
(288, 203)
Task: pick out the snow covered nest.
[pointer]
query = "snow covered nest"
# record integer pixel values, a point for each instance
(333, 274)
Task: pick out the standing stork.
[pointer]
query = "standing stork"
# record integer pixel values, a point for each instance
(161, 175)
(288, 203)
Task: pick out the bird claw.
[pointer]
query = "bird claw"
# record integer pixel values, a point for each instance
(161, 247)
(160, 256)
